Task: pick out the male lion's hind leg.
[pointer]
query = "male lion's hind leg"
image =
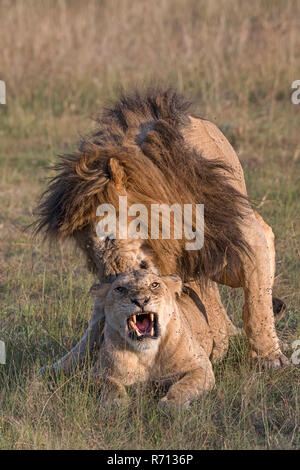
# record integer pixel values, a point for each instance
(278, 306)
(270, 243)
(257, 277)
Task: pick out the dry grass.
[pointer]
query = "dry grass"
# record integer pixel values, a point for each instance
(60, 60)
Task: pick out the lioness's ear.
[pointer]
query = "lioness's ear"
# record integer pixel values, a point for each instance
(174, 283)
(118, 174)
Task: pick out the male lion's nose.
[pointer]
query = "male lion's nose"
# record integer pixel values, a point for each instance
(140, 301)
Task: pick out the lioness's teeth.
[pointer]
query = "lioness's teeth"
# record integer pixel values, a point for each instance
(137, 332)
(134, 318)
(152, 332)
(131, 324)
(152, 316)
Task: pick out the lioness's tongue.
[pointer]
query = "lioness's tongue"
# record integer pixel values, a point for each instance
(143, 324)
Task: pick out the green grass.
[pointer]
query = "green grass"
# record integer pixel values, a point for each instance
(239, 66)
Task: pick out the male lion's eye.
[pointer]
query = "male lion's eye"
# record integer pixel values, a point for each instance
(154, 285)
(121, 289)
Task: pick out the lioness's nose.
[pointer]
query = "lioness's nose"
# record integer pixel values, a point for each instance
(140, 301)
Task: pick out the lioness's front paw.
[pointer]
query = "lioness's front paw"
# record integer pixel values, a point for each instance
(114, 398)
(271, 362)
(114, 402)
(172, 405)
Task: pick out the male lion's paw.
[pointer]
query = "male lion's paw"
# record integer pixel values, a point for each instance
(271, 362)
(173, 405)
(278, 362)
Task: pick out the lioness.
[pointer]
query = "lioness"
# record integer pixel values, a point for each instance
(153, 332)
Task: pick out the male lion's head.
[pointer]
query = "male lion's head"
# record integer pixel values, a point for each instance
(139, 305)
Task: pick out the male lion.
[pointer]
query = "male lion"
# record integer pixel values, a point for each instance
(152, 150)
(150, 335)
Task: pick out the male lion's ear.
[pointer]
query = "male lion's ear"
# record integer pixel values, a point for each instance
(174, 283)
(118, 174)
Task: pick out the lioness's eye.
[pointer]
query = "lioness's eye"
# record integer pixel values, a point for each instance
(154, 285)
(121, 289)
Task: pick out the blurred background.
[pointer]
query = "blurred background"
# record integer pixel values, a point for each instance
(60, 59)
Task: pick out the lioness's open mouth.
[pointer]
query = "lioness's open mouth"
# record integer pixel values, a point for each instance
(143, 325)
